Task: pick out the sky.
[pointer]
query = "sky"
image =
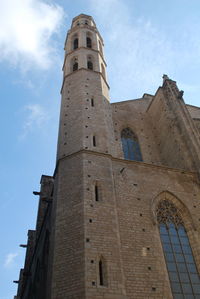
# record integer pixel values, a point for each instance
(143, 40)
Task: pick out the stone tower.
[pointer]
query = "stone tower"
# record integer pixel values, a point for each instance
(84, 172)
(119, 219)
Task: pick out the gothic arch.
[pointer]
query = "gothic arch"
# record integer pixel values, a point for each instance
(130, 145)
(180, 243)
(183, 210)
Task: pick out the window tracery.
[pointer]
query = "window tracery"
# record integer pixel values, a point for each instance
(183, 275)
(167, 213)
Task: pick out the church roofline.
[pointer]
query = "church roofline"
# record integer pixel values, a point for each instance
(192, 106)
(132, 100)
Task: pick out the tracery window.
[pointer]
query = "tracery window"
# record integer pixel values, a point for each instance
(130, 145)
(182, 270)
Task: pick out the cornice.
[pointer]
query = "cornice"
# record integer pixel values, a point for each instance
(128, 162)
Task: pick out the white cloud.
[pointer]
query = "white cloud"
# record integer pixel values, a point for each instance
(26, 29)
(9, 260)
(36, 118)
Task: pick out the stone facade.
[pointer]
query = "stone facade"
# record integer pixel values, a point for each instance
(97, 234)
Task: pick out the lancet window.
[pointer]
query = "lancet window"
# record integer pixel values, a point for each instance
(75, 66)
(182, 270)
(103, 281)
(130, 145)
(75, 43)
(90, 63)
(88, 42)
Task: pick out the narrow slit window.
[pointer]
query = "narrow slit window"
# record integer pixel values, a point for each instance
(94, 141)
(96, 189)
(101, 278)
(92, 102)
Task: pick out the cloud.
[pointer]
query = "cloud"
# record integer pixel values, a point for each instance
(9, 260)
(26, 30)
(36, 118)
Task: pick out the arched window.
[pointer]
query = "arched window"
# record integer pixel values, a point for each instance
(103, 281)
(75, 43)
(75, 66)
(86, 22)
(130, 145)
(88, 42)
(90, 65)
(182, 270)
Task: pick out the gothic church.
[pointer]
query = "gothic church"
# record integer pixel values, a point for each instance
(120, 217)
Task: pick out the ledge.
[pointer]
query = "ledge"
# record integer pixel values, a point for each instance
(129, 162)
(75, 72)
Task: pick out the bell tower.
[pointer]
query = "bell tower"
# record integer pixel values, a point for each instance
(85, 262)
(85, 119)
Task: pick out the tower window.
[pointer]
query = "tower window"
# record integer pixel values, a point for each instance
(92, 102)
(75, 44)
(102, 272)
(182, 270)
(101, 278)
(130, 145)
(89, 42)
(96, 190)
(94, 141)
(75, 66)
(90, 65)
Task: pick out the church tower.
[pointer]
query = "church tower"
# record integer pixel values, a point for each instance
(86, 234)
(119, 219)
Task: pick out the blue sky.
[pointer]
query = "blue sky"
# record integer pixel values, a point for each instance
(143, 40)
